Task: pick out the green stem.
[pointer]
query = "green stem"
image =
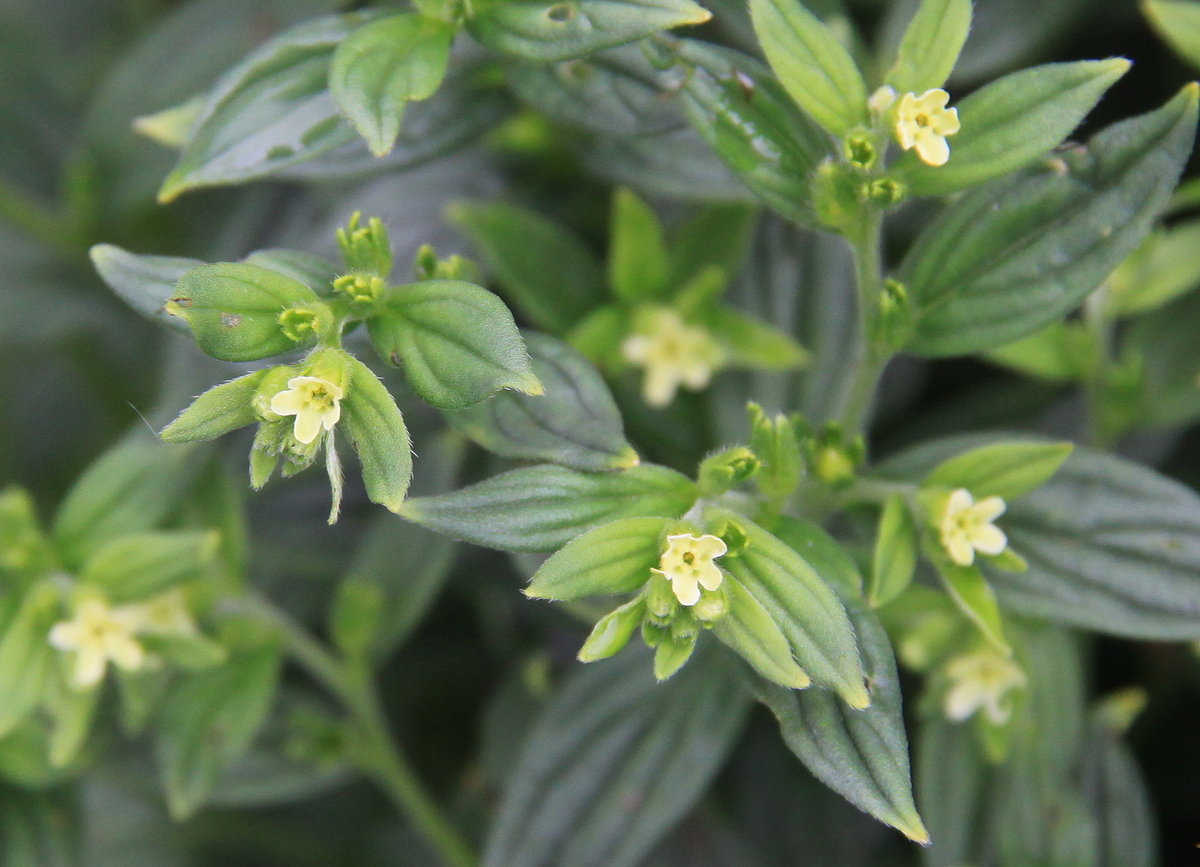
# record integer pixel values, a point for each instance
(375, 751)
(870, 358)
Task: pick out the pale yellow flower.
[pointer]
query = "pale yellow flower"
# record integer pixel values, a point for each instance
(673, 354)
(315, 402)
(924, 122)
(966, 527)
(983, 679)
(688, 565)
(98, 634)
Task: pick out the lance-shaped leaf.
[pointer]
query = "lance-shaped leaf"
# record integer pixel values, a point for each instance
(748, 630)
(544, 271)
(271, 111)
(812, 64)
(575, 420)
(1158, 272)
(377, 431)
(823, 553)
(801, 603)
(1016, 254)
(26, 657)
(233, 309)
(747, 118)
(974, 597)
(615, 760)
(638, 262)
(1011, 122)
(931, 45)
(1119, 800)
(550, 30)
(457, 341)
(143, 564)
(218, 411)
(313, 271)
(1006, 470)
(860, 754)
(383, 65)
(895, 556)
(542, 508)
(953, 781)
(145, 283)
(1178, 22)
(614, 558)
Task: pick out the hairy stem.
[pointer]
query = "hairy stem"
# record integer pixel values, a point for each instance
(870, 359)
(375, 751)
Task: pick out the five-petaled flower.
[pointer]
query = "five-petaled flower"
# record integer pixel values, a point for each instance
(688, 565)
(673, 353)
(966, 527)
(97, 634)
(315, 402)
(983, 679)
(924, 122)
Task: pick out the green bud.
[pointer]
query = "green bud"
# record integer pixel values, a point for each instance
(684, 625)
(713, 605)
(613, 631)
(654, 633)
(774, 441)
(832, 466)
(362, 289)
(427, 266)
(838, 193)
(894, 323)
(306, 323)
(831, 458)
(264, 454)
(886, 192)
(660, 599)
(726, 470)
(366, 249)
(859, 150)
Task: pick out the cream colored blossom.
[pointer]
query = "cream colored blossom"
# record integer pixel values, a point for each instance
(673, 354)
(315, 402)
(966, 527)
(924, 122)
(983, 679)
(98, 634)
(688, 565)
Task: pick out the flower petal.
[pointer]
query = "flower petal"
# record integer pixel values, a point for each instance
(989, 539)
(289, 402)
(961, 551)
(686, 589)
(988, 509)
(307, 426)
(933, 149)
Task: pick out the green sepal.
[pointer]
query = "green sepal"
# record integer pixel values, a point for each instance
(233, 309)
(457, 341)
(615, 558)
(613, 631)
(725, 470)
(383, 65)
(1178, 22)
(895, 559)
(749, 631)
(774, 441)
(1005, 470)
(377, 431)
(218, 411)
(144, 564)
(672, 654)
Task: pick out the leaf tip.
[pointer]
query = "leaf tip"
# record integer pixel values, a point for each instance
(172, 187)
(856, 695)
(625, 459)
(914, 829)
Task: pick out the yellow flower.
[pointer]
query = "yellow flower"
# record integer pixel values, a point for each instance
(924, 122)
(984, 680)
(966, 527)
(673, 354)
(98, 634)
(315, 402)
(688, 565)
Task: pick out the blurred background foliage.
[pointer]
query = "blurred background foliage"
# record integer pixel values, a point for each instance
(80, 368)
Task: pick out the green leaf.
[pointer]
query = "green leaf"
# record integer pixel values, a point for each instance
(749, 342)
(145, 283)
(542, 508)
(270, 112)
(638, 262)
(613, 631)
(313, 271)
(860, 754)
(974, 597)
(1060, 352)
(714, 236)
(545, 271)
(26, 657)
(613, 558)
(1007, 470)
(1178, 22)
(895, 558)
(1120, 801)
(377, 431)
(812, 64)
(953, 781)
(1019, 253)
(747, 118)
(218, 411)
(73, 712)
(573, 422)
(801, 604)
(143, 564)
(614, 761)
(932, 42)
(823, 553)
(550, 30)
(383, 65)
(748, 630)
(40, 828)
(132, 487)
(1012, 122)
(208, 721)
(1158, 272)
(458, 342)
(233, 309)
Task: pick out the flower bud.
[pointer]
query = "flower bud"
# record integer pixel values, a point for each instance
(366, 249)
(726, 470)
